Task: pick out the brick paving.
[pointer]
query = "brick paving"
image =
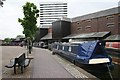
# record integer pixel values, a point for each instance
(45, 66)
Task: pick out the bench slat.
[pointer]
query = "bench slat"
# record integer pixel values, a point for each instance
(11, 64)
(27, 62)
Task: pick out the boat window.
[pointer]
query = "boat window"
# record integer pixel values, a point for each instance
(60, 47)
(57, 47)
(69, 49)
(63, 47)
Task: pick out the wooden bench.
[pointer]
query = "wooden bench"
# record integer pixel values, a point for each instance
(20, 61)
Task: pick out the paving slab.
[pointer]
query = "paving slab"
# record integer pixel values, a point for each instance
(9, 52)
(45, 66)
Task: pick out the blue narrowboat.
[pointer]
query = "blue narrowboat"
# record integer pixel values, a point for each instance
(90, 55)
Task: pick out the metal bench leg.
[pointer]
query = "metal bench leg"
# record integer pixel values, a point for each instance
(14, 69)
(74, 62)
(21, 69)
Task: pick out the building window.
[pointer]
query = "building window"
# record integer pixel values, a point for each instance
(119, 15)
(78, 22)
(88, 20)
(79, 28)
(69, 49)
(88, 27)
(110, 17)
(110, 24)
(83, 21)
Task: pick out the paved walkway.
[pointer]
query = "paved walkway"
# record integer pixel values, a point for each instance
(9, 52)
(44, 66)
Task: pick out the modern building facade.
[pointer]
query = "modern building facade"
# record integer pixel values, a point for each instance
(50, 12)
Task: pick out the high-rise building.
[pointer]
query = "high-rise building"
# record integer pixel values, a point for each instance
(50, 12)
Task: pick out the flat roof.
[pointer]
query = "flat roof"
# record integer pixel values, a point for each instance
(87, 35)
(70, 36)
(113, 38)
(47, 37)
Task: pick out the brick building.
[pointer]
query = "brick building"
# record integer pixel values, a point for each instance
(102, 25)
(106, 23)
(106, 20)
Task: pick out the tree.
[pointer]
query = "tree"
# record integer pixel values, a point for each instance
(31, 13)
(19, 36)
(1, 3)
(7, 40)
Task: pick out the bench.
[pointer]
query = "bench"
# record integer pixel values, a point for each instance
(20, 61)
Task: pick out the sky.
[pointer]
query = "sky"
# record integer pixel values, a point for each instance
(12, 10)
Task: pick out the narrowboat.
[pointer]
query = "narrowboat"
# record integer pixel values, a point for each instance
(89, 55)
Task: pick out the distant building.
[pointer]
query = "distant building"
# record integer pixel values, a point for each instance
(50, 12)
(17, 42)
(0, 42)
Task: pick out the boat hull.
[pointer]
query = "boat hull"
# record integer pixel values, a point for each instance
(96, 68)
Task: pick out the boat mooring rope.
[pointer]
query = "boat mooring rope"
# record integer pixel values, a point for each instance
(109, 72)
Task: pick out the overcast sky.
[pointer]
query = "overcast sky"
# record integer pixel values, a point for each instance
(12, 10)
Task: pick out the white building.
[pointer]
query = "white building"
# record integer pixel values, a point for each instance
(50, 12)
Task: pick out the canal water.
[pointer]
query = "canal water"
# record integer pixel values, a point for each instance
(115, 74)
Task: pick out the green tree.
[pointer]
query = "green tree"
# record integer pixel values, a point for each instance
(19, 36)
(1, 3)
(31, 13)
(7, 40)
